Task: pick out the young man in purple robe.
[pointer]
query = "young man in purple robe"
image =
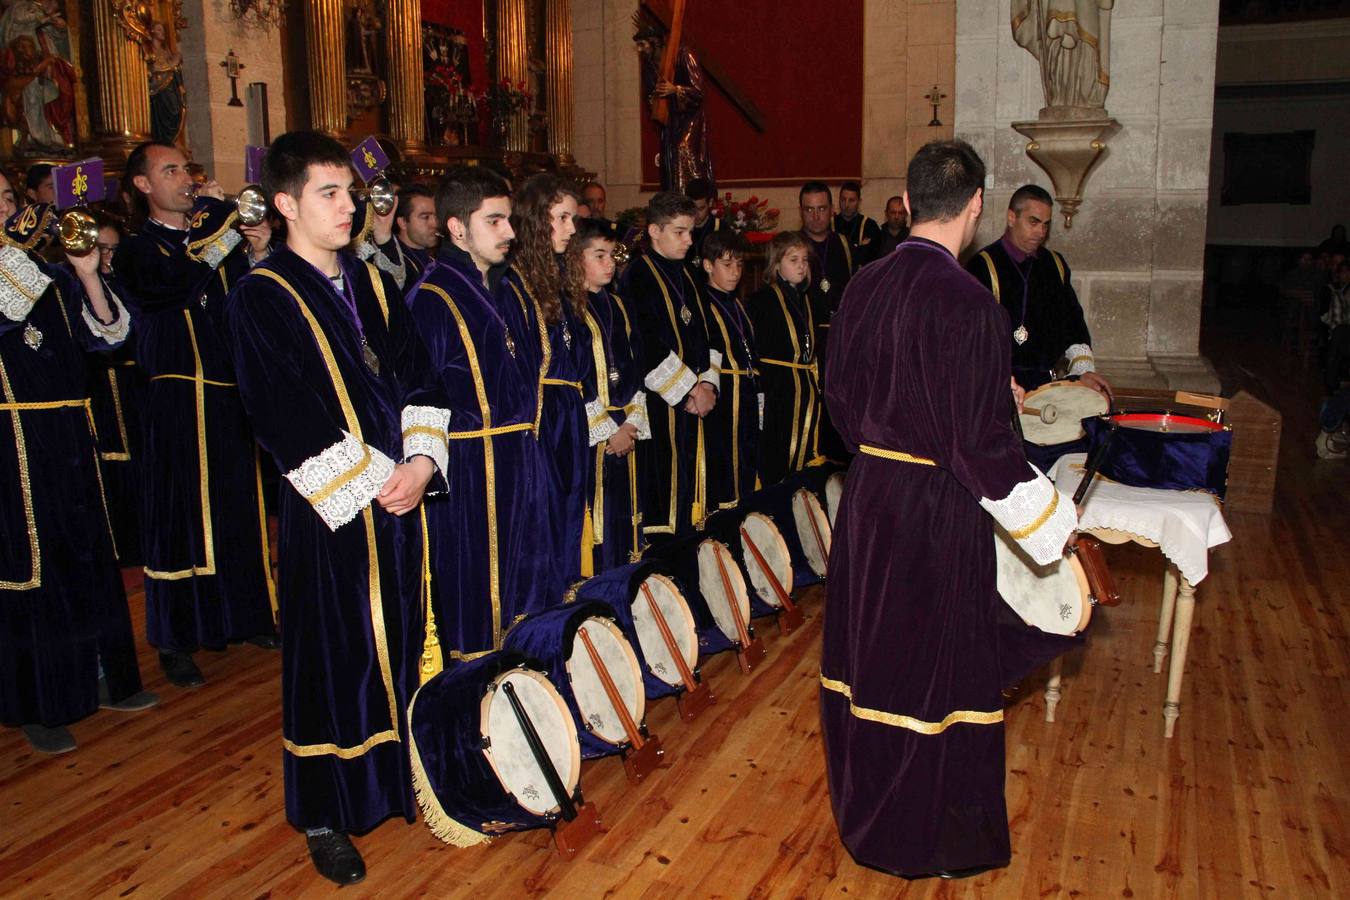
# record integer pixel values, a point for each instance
(918, 646)
(338, 388)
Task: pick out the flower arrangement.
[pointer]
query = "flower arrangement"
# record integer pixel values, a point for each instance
(454, 104)
(745, 216)
(504, 98)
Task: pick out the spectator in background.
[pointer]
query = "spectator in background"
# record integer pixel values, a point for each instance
(1337, 320)
(1336, 243)
(896, 229)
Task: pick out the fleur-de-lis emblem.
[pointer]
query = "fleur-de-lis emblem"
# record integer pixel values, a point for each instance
(28, 221)
(369, 158)
(197, 219)
(80, 186)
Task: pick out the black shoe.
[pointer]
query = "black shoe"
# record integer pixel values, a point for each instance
(953, 874)
(335, 858)
(181, 670)
(265, 641)
(135, 703)
(49, 740)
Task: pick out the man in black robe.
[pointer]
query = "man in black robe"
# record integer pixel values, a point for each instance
(859, 229)
(682, 371)
(66, 646)
(1033, 283)
(702, 192)
(918, 646)
(408, 239)
(337, 387)
(896, 229)
(208, 579)
(832, 265)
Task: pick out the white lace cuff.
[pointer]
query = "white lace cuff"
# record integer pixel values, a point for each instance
(114, 334)
(637, 416)
(1080, 359)
(382, 262)
(342, 480)
(602, 426)
(425, 434)
(21, 283)
(214, 253)
(1037, 516)
(714, 374)
(672, 380)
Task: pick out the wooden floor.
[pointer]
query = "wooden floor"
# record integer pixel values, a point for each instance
(1251, 798)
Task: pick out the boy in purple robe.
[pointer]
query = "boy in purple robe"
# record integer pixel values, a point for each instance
(917, 645)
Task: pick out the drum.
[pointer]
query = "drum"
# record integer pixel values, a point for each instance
(1054, 598)
(776, 505)
(622, 591)
(834, 494)
(1060, 408)
(474, 771)
(552, 637)
(760, 530)
(678, 561)
(1160, 450)
(731, 611)
(813, 529)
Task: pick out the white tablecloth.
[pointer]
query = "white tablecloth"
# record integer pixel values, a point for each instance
(1184, 524)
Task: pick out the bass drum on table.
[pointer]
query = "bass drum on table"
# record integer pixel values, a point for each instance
(474, 771)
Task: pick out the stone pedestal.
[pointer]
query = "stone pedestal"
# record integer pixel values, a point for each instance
(1067, 143)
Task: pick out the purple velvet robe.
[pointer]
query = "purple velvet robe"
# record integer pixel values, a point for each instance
(62, 607)
(917, 643)
(349, 573)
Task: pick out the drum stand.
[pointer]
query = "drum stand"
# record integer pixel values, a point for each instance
(791, 618)
(643, 755)
(697, 696)
(580, 822)
(750, 652)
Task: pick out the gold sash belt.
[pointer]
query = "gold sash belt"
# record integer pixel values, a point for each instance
(894, 455)
(490, 432)
(558, 382)
(810, 367)
(44, 404)
(228, 384)
(742, 373)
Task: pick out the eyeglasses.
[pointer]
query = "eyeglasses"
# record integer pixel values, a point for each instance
(106, 248)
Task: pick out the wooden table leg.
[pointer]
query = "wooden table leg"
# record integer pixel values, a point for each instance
(1169, 602)
(1052, 688)
(1181, 632)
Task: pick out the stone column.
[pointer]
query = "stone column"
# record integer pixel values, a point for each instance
(513, 65)
(326, 54)
(407, 117)
(123, 80)
(558, 84)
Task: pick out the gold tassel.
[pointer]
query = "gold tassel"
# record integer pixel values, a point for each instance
(587, 546)
(700, 482)
(432, 660)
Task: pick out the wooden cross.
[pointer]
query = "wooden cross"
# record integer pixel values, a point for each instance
(935, 97)
(661, 9)
(232, 65)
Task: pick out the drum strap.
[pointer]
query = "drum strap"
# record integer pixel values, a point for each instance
(895, 455)
(993, 274)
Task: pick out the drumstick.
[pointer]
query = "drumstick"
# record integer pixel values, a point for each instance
(815, 529)
(1049, 414)
(541, 757)
(664, 627)
(1094, 464)
(612, 691)
(741, 633)
(783, 598)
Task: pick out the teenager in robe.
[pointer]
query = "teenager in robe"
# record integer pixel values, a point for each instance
(66, 645)
(406, 239)
(918, 646)
(732, 428)
(208, 579)
(491, 540)
(702, 192)
(784, 316)
(543, 214)
(682, 371)
(117, 396)
(340, 393)
(617, 416)
(1033, 283)
(861, 231)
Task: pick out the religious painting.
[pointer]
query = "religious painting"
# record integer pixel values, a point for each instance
(365, 60)
(1267, 168)
(168, 97)
(39, 79)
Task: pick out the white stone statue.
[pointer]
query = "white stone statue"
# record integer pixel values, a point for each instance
(1071, 38)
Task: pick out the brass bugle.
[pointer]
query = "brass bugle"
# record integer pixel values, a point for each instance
(78, 230)
(622, 253)
(381, 194)
(250, 203)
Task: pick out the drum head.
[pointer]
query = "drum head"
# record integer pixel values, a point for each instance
(1165, 423)
(507, 750)
(714, 591)
(769, 541)
(588, 687)
(1053, 598)
(813, 530)
(834, 492)
(673, 609)
(1072, 402)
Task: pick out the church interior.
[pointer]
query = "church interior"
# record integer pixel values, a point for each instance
(1185, 747)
